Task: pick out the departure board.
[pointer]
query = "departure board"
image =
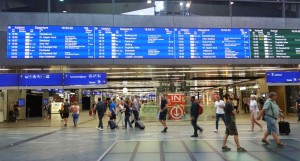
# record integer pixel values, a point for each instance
(272, 43)
(94, 42)
(134, 43)
(212, 43)
(50, 42)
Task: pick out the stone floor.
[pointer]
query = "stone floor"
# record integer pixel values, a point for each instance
(36, 139)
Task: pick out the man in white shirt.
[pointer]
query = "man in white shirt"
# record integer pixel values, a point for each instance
(219, 106)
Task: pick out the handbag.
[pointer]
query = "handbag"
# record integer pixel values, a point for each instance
(108, 113)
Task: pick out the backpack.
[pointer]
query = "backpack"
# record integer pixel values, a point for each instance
(200, 109)
(66, 107)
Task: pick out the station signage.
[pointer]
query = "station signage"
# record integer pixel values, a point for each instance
(41, 79)
(83, 79)
(7, 80)
(286, 77)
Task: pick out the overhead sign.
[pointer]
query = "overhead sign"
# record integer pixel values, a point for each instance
(289, 77)
(7, 80)
(41, 79)
(83, 79)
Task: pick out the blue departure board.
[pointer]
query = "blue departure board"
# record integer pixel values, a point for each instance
(94, 42)
(7, 80)
(212, 43)
(41, 79)
(283, 77)
(84, 79)
(50, 42)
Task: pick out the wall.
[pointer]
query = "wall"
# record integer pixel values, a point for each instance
(263, 88)
(281, 101)
(12, 98)
(139, 21)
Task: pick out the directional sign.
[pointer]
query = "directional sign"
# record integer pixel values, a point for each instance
(289, 77)
(176, 112)
(84, 79)
(8, 80)
(175, 105)
(41, 79)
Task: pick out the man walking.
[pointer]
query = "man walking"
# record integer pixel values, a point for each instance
(219, 106)
(231, 128)
(163, 113)
(135, 110)
(194, 116)
(100, 107)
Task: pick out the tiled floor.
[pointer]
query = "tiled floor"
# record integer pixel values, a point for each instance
(44, 140)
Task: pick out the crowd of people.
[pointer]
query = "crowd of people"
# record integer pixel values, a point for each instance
(226, 110)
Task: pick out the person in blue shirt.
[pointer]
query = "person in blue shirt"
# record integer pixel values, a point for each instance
(112, 108)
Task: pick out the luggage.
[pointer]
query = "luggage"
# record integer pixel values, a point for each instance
(90, 112)
(139, 125)
(284, 127)
(111, 124)
(200, 109)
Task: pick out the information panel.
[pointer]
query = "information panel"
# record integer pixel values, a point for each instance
(283, 77)
(84, 79)
(93, 42)
(212, 43)
(271, 43)
(50, 42)
(7, 80)
(39, 79)
(134, 43)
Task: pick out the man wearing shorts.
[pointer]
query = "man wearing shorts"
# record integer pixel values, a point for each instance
(112, 108)
(163, 113)
(231, 128)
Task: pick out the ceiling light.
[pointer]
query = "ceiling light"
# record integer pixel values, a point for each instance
(64, 11)
(181, 3)
(232, 3)
(149, 1)
(61, 0)
(188, 5)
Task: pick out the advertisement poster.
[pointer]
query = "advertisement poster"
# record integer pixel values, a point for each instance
(176, 105)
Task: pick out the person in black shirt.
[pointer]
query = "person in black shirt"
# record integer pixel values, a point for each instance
(16, 111)
(65, 111)
(126, 109)
(163, 113)
(194, 116)
(231, 128)
(298, 107)
(100, 107)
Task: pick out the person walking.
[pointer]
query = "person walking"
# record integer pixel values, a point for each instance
(298, 107)
(231, 128)
(65, 112)
(100, 107)
(219, 106)
(16, 111)
(194, 117)
(120, 113)
(127, 112)
(163, 113)
(49, 108)
(75, 113)
(112, 108)
(271, 113)
(254, 110)
(135, 110)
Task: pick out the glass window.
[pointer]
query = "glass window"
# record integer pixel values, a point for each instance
(257, 9)
(24, 6)
(292, 10)
(210, 8)
(82, 6)
(134, 7)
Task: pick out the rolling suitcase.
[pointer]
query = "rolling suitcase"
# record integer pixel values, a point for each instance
(111, 124)
(284, 127)
(139, 125)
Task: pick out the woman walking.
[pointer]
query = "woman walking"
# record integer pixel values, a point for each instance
(75, 113)
(254, 110)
